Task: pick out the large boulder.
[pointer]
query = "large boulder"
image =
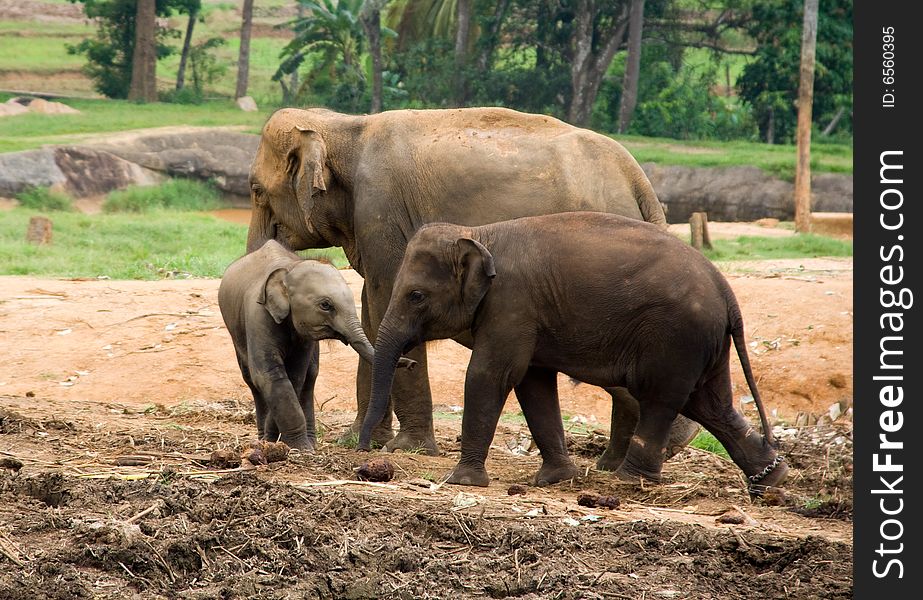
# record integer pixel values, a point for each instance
(741, 193)
(223, 157)
(78, 170)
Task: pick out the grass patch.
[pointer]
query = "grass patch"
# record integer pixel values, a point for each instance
(777, 159)
(175, 194)
(158, 244)
(98, 117)
(802, 245)
(706, 441)
(43, 199)
(38, 53)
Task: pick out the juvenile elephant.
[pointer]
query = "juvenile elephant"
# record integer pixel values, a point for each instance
(607, 300)
(367, 183)
(276, 306)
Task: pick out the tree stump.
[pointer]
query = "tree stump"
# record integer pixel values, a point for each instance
(39, 231)
(698, 223)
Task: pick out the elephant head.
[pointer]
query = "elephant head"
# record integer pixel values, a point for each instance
(443, 278)
(320, 304)
(288, 174)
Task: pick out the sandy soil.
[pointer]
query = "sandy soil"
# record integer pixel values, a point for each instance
(114, 393)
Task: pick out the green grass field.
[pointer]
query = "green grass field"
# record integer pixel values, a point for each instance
(803, 245)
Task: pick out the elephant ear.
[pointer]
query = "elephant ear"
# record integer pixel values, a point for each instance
(305, 165)
(475, 266)
(274, 295)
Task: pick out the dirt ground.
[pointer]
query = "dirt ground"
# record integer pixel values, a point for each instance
(113, 394)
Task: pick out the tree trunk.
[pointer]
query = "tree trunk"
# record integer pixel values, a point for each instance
(187, 43)
(243, 59)
(834, 122)
(463, 18)
(633, 66)
(588, 67)
(490, 39)
(371, 22)
(698, 225)
(144, 56)
(805, 101)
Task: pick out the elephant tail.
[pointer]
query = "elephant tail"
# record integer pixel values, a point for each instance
(648, 203)
(736, 326)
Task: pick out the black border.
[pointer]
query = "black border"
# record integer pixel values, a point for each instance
(878, 129)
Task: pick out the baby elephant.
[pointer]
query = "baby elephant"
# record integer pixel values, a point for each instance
(607, 300)
(276, 305)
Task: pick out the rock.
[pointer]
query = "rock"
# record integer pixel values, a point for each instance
(517, 489)
(32, 168)
(247, 104)
(11, 107)
(39, 231)
(741, 193)
(38, 105)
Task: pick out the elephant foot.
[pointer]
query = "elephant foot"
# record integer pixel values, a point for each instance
(778, 471)
(609, 462)
(466, 475)
(303, 443)
(634, 474)
(682, 432)
(412, 441)
(550, 474)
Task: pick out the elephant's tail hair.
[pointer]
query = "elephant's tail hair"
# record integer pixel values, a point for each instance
(736, 325)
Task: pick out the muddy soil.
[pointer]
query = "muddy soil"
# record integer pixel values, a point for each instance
(113, 395)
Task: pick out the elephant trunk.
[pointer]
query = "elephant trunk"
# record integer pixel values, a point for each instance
(387, 354)
(356, 338)
(260, 231)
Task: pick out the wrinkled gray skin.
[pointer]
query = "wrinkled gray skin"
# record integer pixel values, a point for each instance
(607, 300)
(367, 183)
(276, 306)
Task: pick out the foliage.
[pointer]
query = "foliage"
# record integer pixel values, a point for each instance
(109, 54)
(174, 194)
(330, 39)
(675, 100)
(42, 198)
(769, 84)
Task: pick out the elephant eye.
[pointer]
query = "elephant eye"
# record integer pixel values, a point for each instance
(416, 296)
(325, 305)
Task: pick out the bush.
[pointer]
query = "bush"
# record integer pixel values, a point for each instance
(39, 198)
(176, 194)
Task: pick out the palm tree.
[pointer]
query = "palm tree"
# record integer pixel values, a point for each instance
(330, 27)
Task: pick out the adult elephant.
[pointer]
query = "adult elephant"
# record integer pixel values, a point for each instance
(367, 183)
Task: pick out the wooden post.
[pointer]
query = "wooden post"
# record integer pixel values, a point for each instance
(698, 224)
(805, 101)
(39, 231)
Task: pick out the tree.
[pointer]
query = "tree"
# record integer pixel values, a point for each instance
(243, 57)
(193, 8)
(598, 31)
(633, 67)
(371, 24)
(769, 83)
(143, 86)
(462, 33)
(805, 100)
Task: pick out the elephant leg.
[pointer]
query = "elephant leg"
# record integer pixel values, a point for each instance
(712, 405)
(411, 398)
(625, 415)
(647, 449)
(302, 367)
(538, 398)
(259, 403)
(682, 431)
(382, 433)
(285, 418)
